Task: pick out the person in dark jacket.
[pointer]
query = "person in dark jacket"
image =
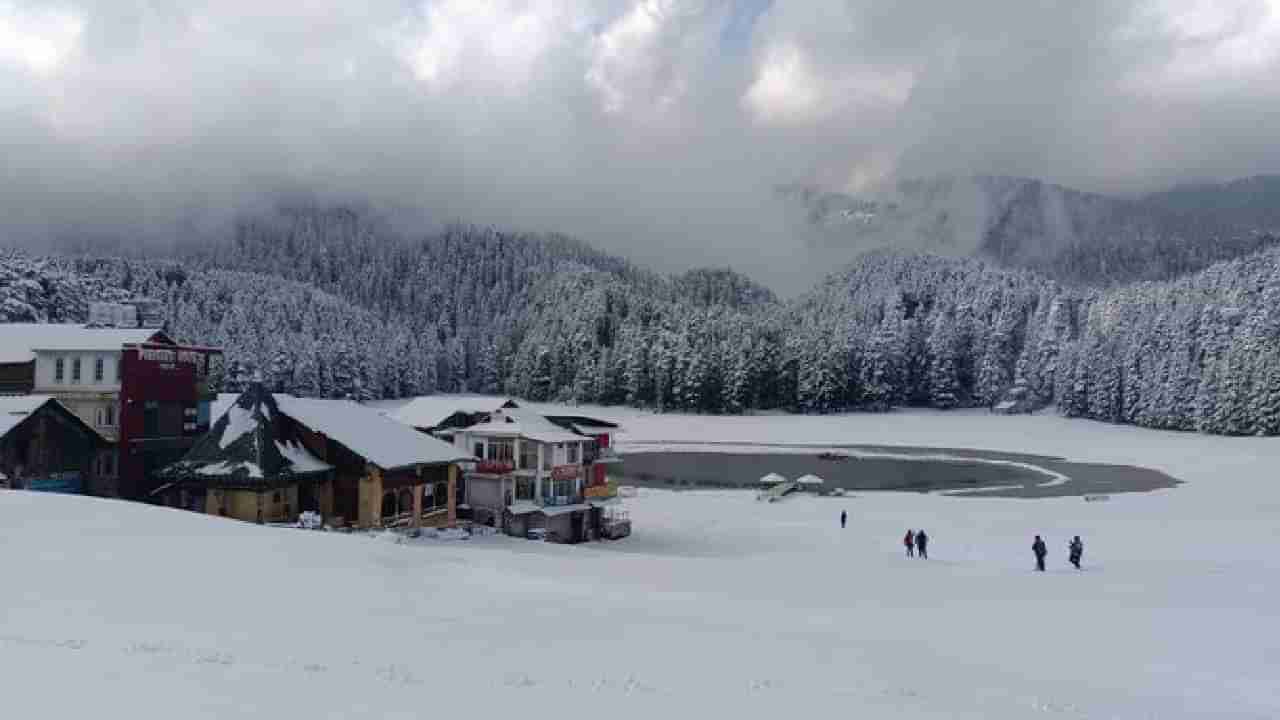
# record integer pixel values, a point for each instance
(844, 518)
(910, 541)
(922, 545)
(1076, 550)
(1038, 547)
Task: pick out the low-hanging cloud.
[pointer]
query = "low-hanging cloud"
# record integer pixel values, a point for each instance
(655, 128)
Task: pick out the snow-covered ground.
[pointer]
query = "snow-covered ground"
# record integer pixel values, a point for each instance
(717, 606)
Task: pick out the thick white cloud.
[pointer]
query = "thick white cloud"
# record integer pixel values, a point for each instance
(652, 127)
(38, 40)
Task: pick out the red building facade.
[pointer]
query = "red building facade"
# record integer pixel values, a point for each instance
(164, 407)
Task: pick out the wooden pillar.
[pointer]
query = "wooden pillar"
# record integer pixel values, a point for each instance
(370, 498)
(417, 505)
(453, 492)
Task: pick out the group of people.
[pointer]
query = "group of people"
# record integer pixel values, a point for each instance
(917, 544)
(1075, 551)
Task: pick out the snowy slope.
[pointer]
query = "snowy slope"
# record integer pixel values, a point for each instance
(718, 606)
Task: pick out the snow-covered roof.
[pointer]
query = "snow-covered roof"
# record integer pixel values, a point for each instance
(221, 404)
(248, 447)
(553, 510)
(809, 480)
(429, 411)
(518, 422)
(230, 467)
(584, 425)
(302, 459)
(592, 429)
(368, 433)
(20, 341)
(772, 478)
(17, 408)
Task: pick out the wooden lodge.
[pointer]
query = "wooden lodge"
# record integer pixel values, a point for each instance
(44, 446)
(343, 460)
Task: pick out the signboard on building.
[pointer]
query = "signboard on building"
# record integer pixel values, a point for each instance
(565, 472)
(495, 467)
(117, 315)
(140, 312)
(63, 482)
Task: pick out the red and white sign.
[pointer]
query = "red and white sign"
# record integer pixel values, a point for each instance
(565, 472)
(495, 467)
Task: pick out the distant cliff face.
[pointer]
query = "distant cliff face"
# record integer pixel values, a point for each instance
(1073, 236)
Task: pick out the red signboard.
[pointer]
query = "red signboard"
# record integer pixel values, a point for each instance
(565, 472)
(495, 467)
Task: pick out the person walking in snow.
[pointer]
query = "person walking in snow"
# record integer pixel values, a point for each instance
(922, 545)
(1076, 550)
(910, 542)
(844, 517)
(1038, 547)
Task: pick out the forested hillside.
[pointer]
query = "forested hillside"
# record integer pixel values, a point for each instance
(550, 319)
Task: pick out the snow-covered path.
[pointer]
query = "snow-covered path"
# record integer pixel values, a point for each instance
(717, 606)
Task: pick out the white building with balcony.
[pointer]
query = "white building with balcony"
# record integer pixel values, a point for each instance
(532, 474)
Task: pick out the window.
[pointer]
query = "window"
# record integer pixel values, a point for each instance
(150, 418)
(98, 363)
(104, 465)
(573, 454)
(119, 359)
(528, 455)
(75, 371)
(501, 450)
(479, 450)
(111, 414)
(524, 488)
(547, 451)
(563, 488)
(275, 497)
(59, 369)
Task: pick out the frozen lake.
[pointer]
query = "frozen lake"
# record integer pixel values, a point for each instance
(867, 467)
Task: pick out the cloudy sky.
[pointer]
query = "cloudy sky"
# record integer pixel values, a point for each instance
(654, 128)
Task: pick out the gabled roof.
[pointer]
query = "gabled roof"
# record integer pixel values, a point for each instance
(20, 341)
(518, 422)
(252, 445)
(430, 411)
(15, 409)
(370, 434)
(583, 424)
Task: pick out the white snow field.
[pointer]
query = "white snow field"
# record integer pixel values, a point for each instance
(717, 606)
